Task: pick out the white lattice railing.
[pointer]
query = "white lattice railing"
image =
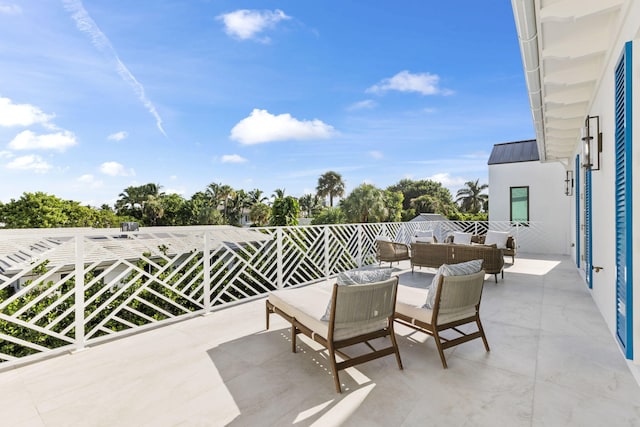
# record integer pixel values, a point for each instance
(136, 280)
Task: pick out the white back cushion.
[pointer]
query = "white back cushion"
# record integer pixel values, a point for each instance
(497, 237)
(422, 236)
(460, 238)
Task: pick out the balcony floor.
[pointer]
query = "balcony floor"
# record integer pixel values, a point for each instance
(552, 362)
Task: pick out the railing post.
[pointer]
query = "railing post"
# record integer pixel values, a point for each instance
(206, 271)
(279, 278)
(359, 245)
(79, 292)
(327, 261)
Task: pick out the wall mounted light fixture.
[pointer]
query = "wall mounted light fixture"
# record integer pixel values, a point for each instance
(568, 183)
(592, 143)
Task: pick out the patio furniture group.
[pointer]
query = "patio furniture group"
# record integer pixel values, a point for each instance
(340, 316)
(435, 254)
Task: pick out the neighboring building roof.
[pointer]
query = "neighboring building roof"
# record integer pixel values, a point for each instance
(429, 217)
(17, 252)
(514, 152)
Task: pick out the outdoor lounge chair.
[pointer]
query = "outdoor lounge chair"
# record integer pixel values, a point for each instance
(356, 314)
(387, 251)
(457, 303)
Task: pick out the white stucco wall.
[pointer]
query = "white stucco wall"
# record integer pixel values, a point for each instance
(603, 184)
(549, 207)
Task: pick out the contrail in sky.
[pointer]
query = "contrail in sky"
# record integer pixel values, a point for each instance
(87, 25)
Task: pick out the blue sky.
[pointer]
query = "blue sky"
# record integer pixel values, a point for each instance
(97, 95)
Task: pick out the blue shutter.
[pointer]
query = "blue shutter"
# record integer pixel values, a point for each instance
(576, 194)
(623, 199)
(588, 255)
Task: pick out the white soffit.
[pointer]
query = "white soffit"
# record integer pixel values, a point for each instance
(564, 44)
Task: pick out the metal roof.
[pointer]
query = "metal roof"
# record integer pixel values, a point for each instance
(429, 217)
(514, 152)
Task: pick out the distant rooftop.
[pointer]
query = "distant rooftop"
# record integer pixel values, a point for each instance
(514, 152)
(429, 217)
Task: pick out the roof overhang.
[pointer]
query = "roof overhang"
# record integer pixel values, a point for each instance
(565, 45)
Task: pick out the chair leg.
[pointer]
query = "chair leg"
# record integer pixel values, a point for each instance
(436, 337)
(334, 368)
(294, 333)
(484, 337)
(496, 276)
(267, 309)
(395, 345)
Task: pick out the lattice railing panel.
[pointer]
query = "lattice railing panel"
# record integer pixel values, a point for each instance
(141, 279)
(37, 299)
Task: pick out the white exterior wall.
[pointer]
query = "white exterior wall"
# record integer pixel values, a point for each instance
(548, 205)
(603, 185)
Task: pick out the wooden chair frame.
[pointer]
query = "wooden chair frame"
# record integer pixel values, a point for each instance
(435, 328)
(335, 346)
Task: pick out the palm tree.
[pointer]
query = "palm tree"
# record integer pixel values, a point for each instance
(256, 196)
(309, 204)
(330, 184)
(470, 198)
(226, 192)
(366, 203)
(213, 194)
(278, 193)
(130, 202)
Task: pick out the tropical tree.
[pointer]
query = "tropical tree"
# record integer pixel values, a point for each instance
(42, 210)
(329, 216)
(131, 201)
(212, 193)
(152, 210)
(310, 204)
(256, 196)
(285, 211)
(393, 203)
(365, 203)
(278, 193)
(200, 211)
(471, 198)
(259, 214)
(330, 184)
(236, 204)
(440, 200)
(226, 192)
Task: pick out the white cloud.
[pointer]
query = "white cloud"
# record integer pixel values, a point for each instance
(87, 25)
(10, 9)
(89, 180)
(6, 154)
(404, 81)
(245, 24)
(262, 126)
(447, 180)
(232, 158)
(367, 104)
(28, 140)
(32, 162)
(376, 154)
(177, 191)
(118, 136)
(21, 114)
(115, 169)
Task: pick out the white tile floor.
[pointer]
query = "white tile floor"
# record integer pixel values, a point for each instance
(552, 362)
